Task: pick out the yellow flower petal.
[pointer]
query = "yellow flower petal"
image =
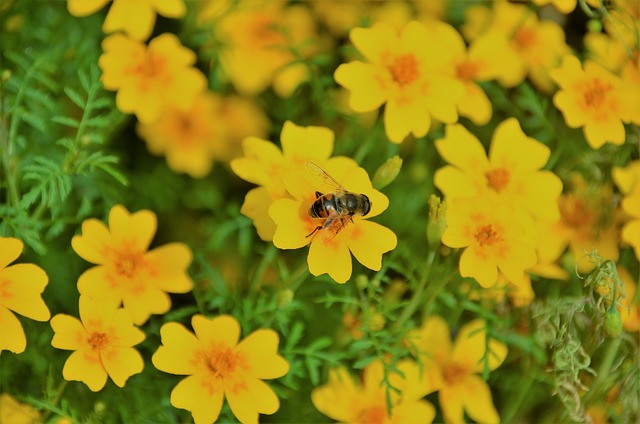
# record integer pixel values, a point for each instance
(204, 405)
(21, 289)
(475, 105)
(413, 412)
(511, 146)
(135, 18)
(256, 206)
(125, 334)
(170, 8)
(474, 264)
(477, 401)
(520, 256)
(84, 365)
(335, 399)
(451, 403)
(70, 334)
(10, 250)
(330, 257)
(85, 7)
(261, 162)
(300, 144)
(169, 264)
(293, 224)
(121, 363)
(463, 150)
(433, 340)
(137, 228)
(179, 346)
(470, 345)
(12, 336)
(598, 133)
(374, 42)
(91, 244)
(97, 282)
(260, 349)
(257, 397)
(222, 330)
(368, 241)
(367, 83)
(144, 301)
(631, 235)
(454, 182)
(404, 116)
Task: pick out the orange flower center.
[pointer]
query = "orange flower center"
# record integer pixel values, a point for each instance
(454, 374)
(151, 67)
(467, 70)
(525, 37)
(404, 69)
(222, 363)
(575, 211)
(498, 179)
(486, 235)
(595, 93)
(98, 340)
(264, 31)
(128, 263)
(376, 414)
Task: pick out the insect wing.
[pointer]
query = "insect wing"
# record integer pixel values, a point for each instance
(323, 176)
(336, 225)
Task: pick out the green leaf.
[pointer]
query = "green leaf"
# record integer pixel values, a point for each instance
(75, 97)
(65, 120)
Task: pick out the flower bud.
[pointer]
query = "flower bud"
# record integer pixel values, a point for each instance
(284, 298)
(612, 323)
(387, 172)
(437, 222)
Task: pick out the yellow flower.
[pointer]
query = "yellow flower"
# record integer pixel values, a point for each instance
(629, 309)
(493, 237)
(21, 287)
(188, 138)
(348, 401)
(330, 248)
(149, 79)
(487, 58)
(539, 44)
(219, 367)
(511, 173)
(594, 99)
(243, 118)
(102, 341)
(587, 222)
(265, 165)
(126, 271)
(403, 72)
(135, 18)
(14, 412)
(454, 368)
(626, 178)
(256, 39)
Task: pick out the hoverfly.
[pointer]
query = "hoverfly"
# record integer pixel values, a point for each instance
(336, 209)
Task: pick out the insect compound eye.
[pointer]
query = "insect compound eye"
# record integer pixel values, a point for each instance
(366, 207)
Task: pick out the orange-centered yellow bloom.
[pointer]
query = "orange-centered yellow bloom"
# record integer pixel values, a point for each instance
(265, 165)
(136, 18)
(405, 73)
(126, 270)
(348, 401)
(21, 288)
(493, 237)
(102, 342)
(14, 412)
(453, 368)
(512, 172)
(218, 367)
(149, 79)
(330, 248)
(593, 98)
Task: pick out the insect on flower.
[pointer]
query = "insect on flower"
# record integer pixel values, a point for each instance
(336, 209)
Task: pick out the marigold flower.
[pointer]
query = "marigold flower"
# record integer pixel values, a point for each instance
(102, 341)
(149, 79)
(136, 18)
(14, 412)
(218, 367)
(348, 401)
(126, 271)
(256, 41)
(493, 237)
(265, 165)
(539, 44)
(21, 288)
(404, 72)
(211, 129)
(594, 99)
(454, 369)
(330, 249)
(489, 57)
(512, 172)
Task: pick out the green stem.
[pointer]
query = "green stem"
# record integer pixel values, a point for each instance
(604, 369)
(515, 404)
(55, 400)
(417, 296)
(266, 260)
